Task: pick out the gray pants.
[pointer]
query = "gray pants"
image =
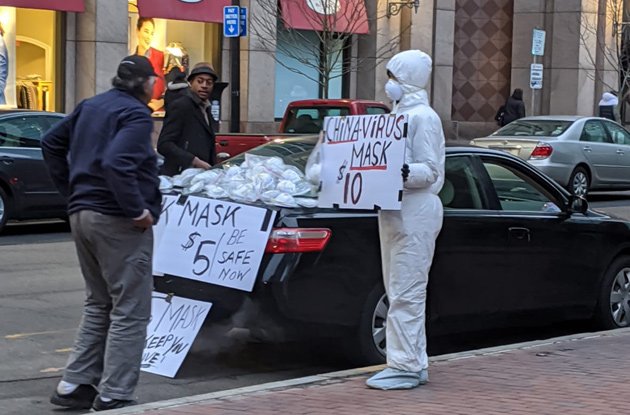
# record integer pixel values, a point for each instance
(115, 259)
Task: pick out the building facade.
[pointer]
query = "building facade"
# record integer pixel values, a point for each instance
(481, 49)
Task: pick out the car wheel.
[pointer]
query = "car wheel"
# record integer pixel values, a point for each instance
(613, 306)
(4, 208)
(367, 345)
(579, 182)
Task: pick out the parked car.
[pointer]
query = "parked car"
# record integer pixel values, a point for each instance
(580, 153)
(26, 189)
(515, 248)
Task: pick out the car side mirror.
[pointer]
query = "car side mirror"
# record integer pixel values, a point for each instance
(577, 204)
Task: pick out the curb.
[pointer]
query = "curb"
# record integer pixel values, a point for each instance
(327, 377)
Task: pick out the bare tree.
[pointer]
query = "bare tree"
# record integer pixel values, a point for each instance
(606, 41)
(326, 55)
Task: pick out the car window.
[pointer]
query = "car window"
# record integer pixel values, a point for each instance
(462, 188)
(517, 191)
(594, 132)
(547, 128)
(375, 110)
(618, 134)
(309, 120)
(22, 131)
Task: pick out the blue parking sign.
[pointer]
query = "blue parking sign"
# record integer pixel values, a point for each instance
(231, 27)
(243, 21)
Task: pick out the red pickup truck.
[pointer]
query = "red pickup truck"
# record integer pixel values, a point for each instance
(300, 117)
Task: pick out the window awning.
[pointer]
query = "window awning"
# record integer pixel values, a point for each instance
(193, 10)
(61, 5)
(349, 17)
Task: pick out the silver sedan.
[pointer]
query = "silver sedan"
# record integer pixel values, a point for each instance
(580, 153)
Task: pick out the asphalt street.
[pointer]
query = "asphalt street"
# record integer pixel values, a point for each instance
(41, 294)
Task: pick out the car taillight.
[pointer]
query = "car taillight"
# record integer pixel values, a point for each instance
(284, 240)
(542, 151)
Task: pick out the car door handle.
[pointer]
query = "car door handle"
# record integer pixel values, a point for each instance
(521, 234)
(6, 160)
(620, 152)
(587, 148)
(224, 143)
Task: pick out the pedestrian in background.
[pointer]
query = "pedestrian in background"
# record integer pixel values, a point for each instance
(187, 138)
(100, 157)
(608, 105)
(176, 88)
(408, 235)
(514, 107)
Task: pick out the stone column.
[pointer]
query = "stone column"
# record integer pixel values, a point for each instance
(443, 42)
(96, 42)
(572, 81)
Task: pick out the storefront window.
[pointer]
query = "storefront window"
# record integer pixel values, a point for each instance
(296, 80)
(172, 43)
(28, 48)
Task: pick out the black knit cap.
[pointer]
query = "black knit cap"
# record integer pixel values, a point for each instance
(135, 66)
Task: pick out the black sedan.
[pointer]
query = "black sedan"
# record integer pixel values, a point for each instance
(26, 189)
(515, 249)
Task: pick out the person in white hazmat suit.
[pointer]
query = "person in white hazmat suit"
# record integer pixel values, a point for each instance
(408, 235)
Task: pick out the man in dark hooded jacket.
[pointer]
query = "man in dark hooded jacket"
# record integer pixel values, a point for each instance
(514, 107)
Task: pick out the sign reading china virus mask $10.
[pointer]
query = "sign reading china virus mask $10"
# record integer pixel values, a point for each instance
(362, 157)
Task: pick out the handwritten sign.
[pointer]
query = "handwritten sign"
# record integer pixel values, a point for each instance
(361, 160)
(214, 241)
(175, 322)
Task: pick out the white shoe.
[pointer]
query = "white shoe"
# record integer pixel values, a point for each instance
(392, 379)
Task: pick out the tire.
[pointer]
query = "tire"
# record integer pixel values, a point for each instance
(579, 182)
(367, 345)
(4, 208)
(613, 304)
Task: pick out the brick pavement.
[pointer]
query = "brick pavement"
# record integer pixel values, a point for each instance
(587, 374)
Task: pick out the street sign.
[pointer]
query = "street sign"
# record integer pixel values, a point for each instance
(231, 21)
(538, 42)
(243, 22)
(536, 76)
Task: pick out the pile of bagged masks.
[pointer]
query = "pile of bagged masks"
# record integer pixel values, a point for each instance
(258, 178)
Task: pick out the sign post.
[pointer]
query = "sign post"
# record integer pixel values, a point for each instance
(231, 24)
(243, 21)
(536, 71)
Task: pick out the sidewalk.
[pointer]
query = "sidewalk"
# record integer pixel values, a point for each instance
(573, 375)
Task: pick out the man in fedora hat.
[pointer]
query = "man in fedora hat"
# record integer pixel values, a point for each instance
(187, 139)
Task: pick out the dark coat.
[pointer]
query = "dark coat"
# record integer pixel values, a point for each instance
(185, 135)
(514, 109)
(174, 91)
(101, 157)
(607, 111)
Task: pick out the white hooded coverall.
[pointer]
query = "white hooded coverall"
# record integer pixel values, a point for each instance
(408, 236)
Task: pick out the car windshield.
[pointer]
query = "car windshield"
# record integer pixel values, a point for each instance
(547, 128)
(309, 120)
(293, 152)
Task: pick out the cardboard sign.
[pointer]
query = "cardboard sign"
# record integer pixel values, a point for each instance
(175, 322)
(213, 241)
(361, 160)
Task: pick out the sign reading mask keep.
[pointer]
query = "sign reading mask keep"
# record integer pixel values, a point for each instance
(213, 241)
(175, 322)
(361, 160)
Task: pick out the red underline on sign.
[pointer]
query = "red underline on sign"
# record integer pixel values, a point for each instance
(342, 142)
(369, 168)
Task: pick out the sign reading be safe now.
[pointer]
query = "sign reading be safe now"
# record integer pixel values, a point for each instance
(361, 160)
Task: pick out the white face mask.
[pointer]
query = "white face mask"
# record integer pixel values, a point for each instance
(393, 90)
